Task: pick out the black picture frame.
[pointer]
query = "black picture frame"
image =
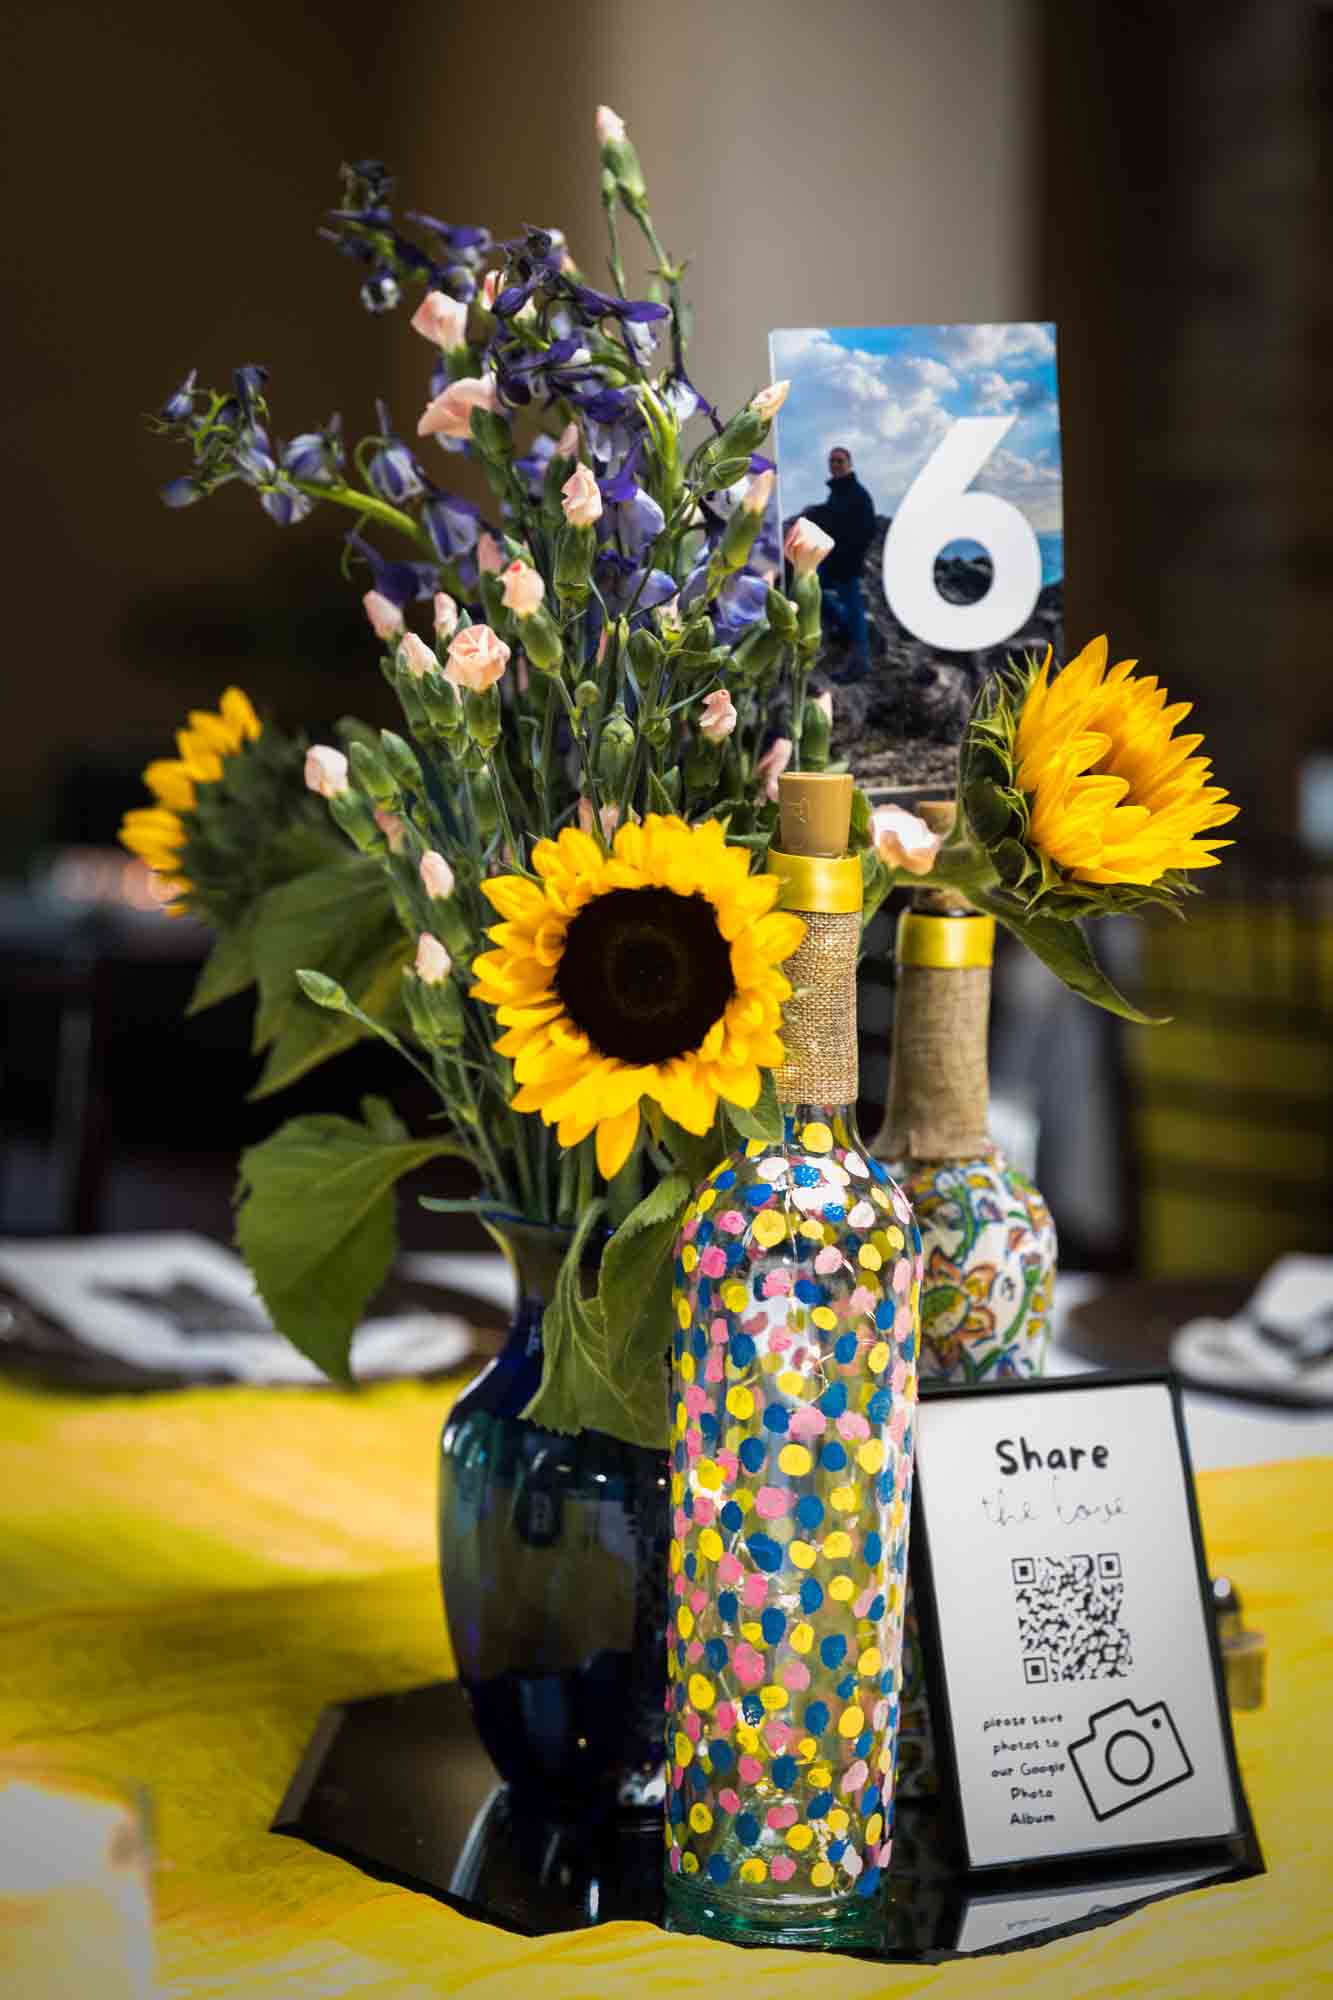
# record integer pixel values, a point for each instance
(1238, 1851)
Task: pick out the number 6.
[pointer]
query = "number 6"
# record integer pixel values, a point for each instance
(937, 509)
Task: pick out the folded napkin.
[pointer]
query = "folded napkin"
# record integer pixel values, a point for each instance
(179, 1303)
(1279, 1348)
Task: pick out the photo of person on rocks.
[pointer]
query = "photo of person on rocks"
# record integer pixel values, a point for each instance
(940, 450)
(848, 515)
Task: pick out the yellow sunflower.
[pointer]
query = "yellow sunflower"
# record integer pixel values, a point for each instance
(1113, 794)
(650, 972)
(158, 833)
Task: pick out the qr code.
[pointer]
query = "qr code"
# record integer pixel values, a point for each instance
(1069, 1618)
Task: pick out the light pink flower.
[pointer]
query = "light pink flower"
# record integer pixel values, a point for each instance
(477, 658)
(755, 497)
(582, 501)
(717, 716)
(441, 319)
(610, 128)
(391, 826)
(806, 546)
(325, 770)
(437, 877)
(450, 414)
(567, 444)
(901, 840)
(416, 655)
(523, 589)
(824, 703)
(490, 556)
(432, 960)
(386, 620)
(490, 286)
(608, 817)
(446, 615)
(769, 401)
(773, 763)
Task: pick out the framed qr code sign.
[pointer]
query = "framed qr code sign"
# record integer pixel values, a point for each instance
(1076, 1692)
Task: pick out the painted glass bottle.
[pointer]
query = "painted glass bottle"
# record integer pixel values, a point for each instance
(794, 1395)
(988, 1242)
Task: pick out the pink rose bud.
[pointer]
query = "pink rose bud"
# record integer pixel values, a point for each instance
(325, 770)
(769, 401)
(824, 703)
(490, 556)
(773, 763)
(806, 546)
(523, 589)
(610, 129)
(415, 655)
(490, 287)
(391, 826)
(567, 444)
(717, 716)
(901, 840)
(432, 960)
(386, 620)
(755, 497)
(608, 817)
(441, 319)
(477, 658)
(582, 500)
(446, 615)
(437, 877)
(450, 414)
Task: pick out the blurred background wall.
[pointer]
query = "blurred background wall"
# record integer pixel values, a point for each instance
(1152, 176)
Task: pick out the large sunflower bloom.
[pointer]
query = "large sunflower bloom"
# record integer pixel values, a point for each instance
(158, 833)
(1113, 794)
(650, 973)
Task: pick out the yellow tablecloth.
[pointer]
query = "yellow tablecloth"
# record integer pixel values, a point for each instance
(187, 1580)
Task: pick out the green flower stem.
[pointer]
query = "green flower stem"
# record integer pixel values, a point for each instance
(452, 1081)
(498, 772)
(548, 754)
(564, 1201)
(370, 506)
(800, 675)
(532, 1206)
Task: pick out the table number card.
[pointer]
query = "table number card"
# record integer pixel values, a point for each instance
(1059, 1576)
(931, 454)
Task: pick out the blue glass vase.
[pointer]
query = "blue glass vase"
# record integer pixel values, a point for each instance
(553, 1568)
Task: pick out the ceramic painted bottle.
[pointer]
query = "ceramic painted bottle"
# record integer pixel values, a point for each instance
(988, 1242)
(794, 1395)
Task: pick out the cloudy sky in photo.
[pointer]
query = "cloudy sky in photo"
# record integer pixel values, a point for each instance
(890, 393)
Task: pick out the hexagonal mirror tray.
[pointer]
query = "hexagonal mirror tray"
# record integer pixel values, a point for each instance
(400, 1785)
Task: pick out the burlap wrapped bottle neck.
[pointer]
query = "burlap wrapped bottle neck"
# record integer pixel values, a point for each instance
(819, 1021)
(939, 1088)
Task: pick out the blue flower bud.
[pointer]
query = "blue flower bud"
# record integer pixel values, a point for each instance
(283, 504)
(181, 405)
(380, 293)
(182, 492)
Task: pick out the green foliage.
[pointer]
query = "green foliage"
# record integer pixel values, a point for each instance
(315, 1221)
(340, 919)
(606, 1357)
(764, 1119)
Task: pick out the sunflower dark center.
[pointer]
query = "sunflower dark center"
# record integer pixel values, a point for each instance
(645, 973)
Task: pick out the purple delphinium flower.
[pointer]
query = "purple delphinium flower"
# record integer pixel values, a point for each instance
(741, 600)
(315, 456)
(401, 582)
(392, 470)
(179, 407)
(452, 523)
(283, 503)
(182, 492)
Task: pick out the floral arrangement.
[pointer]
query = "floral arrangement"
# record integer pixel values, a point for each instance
(548, 892)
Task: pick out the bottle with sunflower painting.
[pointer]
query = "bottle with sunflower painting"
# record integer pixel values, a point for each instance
(988, 1242)
(794, 1395)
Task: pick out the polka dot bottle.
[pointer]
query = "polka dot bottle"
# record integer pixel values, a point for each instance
(796, 1300)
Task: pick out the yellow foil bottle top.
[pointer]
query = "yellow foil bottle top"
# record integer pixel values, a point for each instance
(945, 944)
(810, 858)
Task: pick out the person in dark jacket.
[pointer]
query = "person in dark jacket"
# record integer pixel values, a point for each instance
(849, 516)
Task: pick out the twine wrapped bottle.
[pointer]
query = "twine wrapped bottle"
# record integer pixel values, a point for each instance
(988, 1242)
(794, 1392)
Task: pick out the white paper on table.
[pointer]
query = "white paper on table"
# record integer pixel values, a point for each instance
(148, 1299)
